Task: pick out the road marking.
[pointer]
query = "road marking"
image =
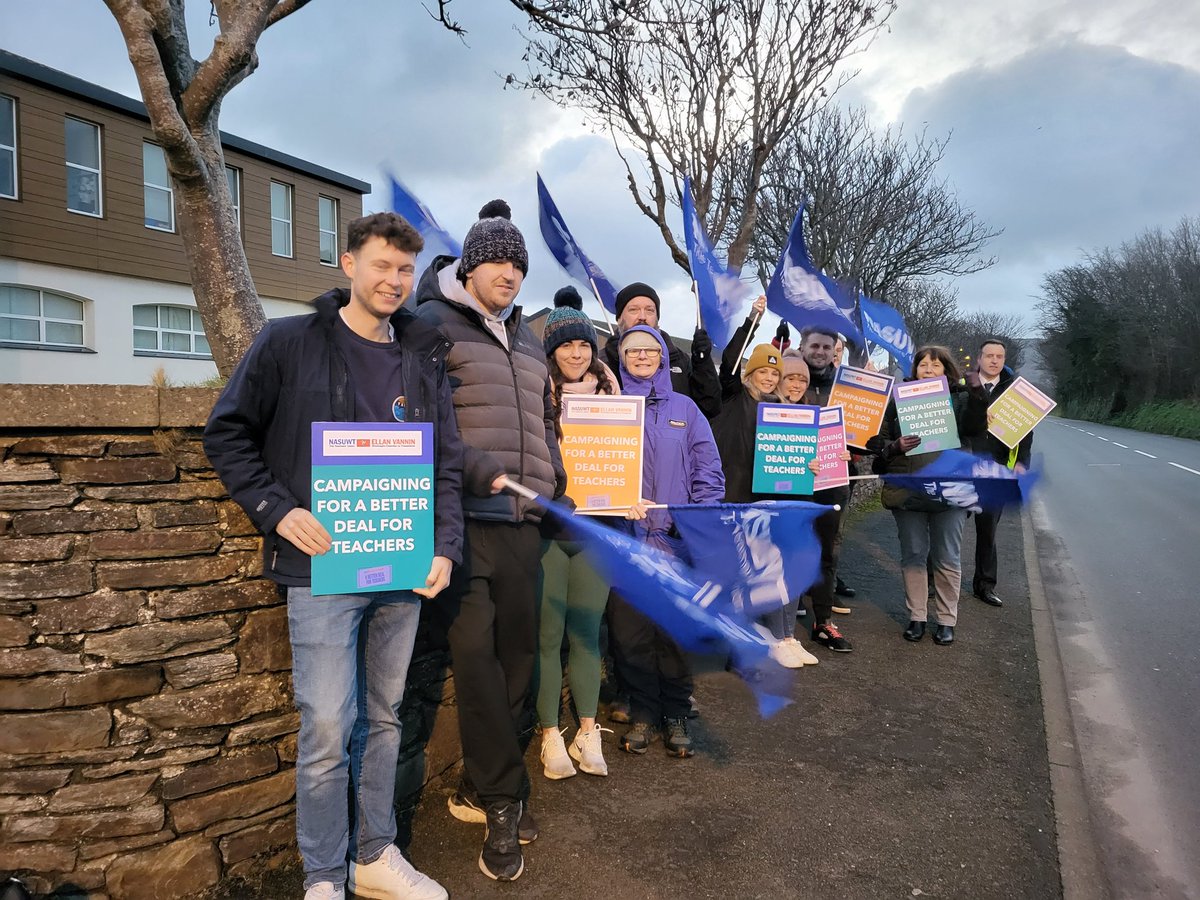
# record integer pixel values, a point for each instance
(1103, 439)
(1119, 444)
(1102, 465)
(1144, 453)
(1185, 468)
(1088, 432)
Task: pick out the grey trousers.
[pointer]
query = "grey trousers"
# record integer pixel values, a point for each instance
(937, 538)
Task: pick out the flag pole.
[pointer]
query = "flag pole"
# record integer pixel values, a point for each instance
(696, 294)
(607, 322)
(753, 325)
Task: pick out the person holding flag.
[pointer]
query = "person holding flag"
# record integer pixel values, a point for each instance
(930, 529)
(680, 465)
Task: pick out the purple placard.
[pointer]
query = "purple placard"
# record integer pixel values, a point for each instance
(342, 443)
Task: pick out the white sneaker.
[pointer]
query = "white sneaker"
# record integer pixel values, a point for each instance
(555, 762)
(797, 650)
(392, 877)
(325, 890)
(782, 654)
(587, 750)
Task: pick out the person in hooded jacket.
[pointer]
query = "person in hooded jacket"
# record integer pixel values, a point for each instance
(930, 531)
(501, 392)
(574, 595)
(680, 464)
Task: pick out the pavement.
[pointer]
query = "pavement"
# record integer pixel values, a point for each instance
(901, 770)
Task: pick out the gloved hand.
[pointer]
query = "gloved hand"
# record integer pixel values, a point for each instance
(902, 445)
(701, 344)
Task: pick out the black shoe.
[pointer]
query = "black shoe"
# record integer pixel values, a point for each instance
(501, 859)
(943, 634)
(637, 739)
(829, 636)
(915, 631)
(843, 590)
(676, 738)
(989, 597)
(527, 827)
(466, 809)
(14, 889)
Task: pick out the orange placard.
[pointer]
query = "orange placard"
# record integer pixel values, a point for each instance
(602, 452)
(864, 398)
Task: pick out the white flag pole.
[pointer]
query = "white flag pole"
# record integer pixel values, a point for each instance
(607, 322)
(696, 294)
(746, 342)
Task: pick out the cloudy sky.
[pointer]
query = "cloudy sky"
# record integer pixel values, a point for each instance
(1075, 123)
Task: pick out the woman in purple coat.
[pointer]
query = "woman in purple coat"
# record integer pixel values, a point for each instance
(679, 465)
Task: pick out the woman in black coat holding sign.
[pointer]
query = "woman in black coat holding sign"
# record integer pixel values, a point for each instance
(930, 530)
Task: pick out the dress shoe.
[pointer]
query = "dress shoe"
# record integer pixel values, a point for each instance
(989, 597)
(943, 634)
(915, 631)
(844, 590)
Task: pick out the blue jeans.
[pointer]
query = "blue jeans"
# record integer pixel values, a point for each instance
(931, 538)
(350, 655)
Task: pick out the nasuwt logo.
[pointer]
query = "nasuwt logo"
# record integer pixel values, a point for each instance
(372, 443)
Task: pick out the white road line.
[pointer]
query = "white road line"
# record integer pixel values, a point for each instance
(1106, 440)
(1119, 444)
(1185, 468)
(1144, 453)
(1088, 432)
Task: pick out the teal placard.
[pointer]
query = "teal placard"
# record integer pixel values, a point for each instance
(923, 407)
(784, 442)
(373, 492)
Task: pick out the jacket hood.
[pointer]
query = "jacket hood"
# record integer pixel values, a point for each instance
(427, 286)
(658, 384)
(418, 334)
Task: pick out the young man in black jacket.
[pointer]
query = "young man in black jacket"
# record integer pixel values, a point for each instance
(502, 401)
(359, 358)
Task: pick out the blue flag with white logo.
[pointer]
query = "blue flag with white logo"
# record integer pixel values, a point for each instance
(719, 289)
(692, 608)
(974, 483)
(884, 325)
(766, 553)
(801, 295)
(568, 253)
(437, 240)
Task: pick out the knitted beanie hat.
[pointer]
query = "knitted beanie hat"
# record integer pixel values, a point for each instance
(494, 239)
(794, 364)
(568, 324)
(633, 340)
(765, 356)
(568, 296)
(636, 289)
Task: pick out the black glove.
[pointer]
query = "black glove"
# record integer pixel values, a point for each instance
(902, 445)
(701, 344)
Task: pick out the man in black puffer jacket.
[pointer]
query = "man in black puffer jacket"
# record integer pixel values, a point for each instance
(501, 390)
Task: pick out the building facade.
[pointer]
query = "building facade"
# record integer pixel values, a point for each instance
(94, 281)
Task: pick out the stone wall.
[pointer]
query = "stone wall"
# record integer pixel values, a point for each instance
(148, 735)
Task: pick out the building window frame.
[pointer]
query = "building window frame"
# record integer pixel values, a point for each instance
(98, 171)
(168, 335)
(283, 218)
(327, 238)
(148, 186)
(12, 149)
(47, 323)
(233, 179)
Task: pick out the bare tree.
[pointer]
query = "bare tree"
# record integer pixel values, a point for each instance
(699, 88)
(876, 212)
(928, 307)
(183, 98)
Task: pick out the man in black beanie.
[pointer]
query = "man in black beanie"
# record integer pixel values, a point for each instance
(500, 384)
(638, 304)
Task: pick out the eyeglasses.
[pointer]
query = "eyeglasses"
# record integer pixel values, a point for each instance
(648, 352)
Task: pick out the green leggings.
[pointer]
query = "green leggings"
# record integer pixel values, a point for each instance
(573, 600)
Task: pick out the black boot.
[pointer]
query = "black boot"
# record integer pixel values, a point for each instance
(915, 631)
(943, 634)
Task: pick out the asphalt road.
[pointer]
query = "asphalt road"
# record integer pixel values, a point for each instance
(1118, 517)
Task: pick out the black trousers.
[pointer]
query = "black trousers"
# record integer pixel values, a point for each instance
(653, 668)
(828, 528)
(984, 578)
(489, 613)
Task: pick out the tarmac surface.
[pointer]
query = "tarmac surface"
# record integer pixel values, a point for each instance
(901, 770)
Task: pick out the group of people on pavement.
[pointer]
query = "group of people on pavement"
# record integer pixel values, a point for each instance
(507, 586)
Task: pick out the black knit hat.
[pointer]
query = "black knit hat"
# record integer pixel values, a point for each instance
(494, 239)
(568, 324)
(568, 296)
(636, 289)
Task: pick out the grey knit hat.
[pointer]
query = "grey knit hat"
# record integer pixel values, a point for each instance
(494, 239)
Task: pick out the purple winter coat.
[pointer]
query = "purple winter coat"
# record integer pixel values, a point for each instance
(680, 463)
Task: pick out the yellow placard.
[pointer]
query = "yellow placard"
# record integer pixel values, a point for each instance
(602, 452)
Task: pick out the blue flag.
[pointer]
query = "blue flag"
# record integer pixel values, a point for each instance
(682, 602)
(975, 483)
(719, 290)
(801, 295)
(569, 254)
(885, 326)
(437, 241)
(765, 552)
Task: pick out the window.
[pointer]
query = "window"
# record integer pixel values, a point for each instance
(327, 224)
(234, 178)
(8, 147)
(169, 329)
(32, 316)
(156, 187)
(281, 219)
(83, 167)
